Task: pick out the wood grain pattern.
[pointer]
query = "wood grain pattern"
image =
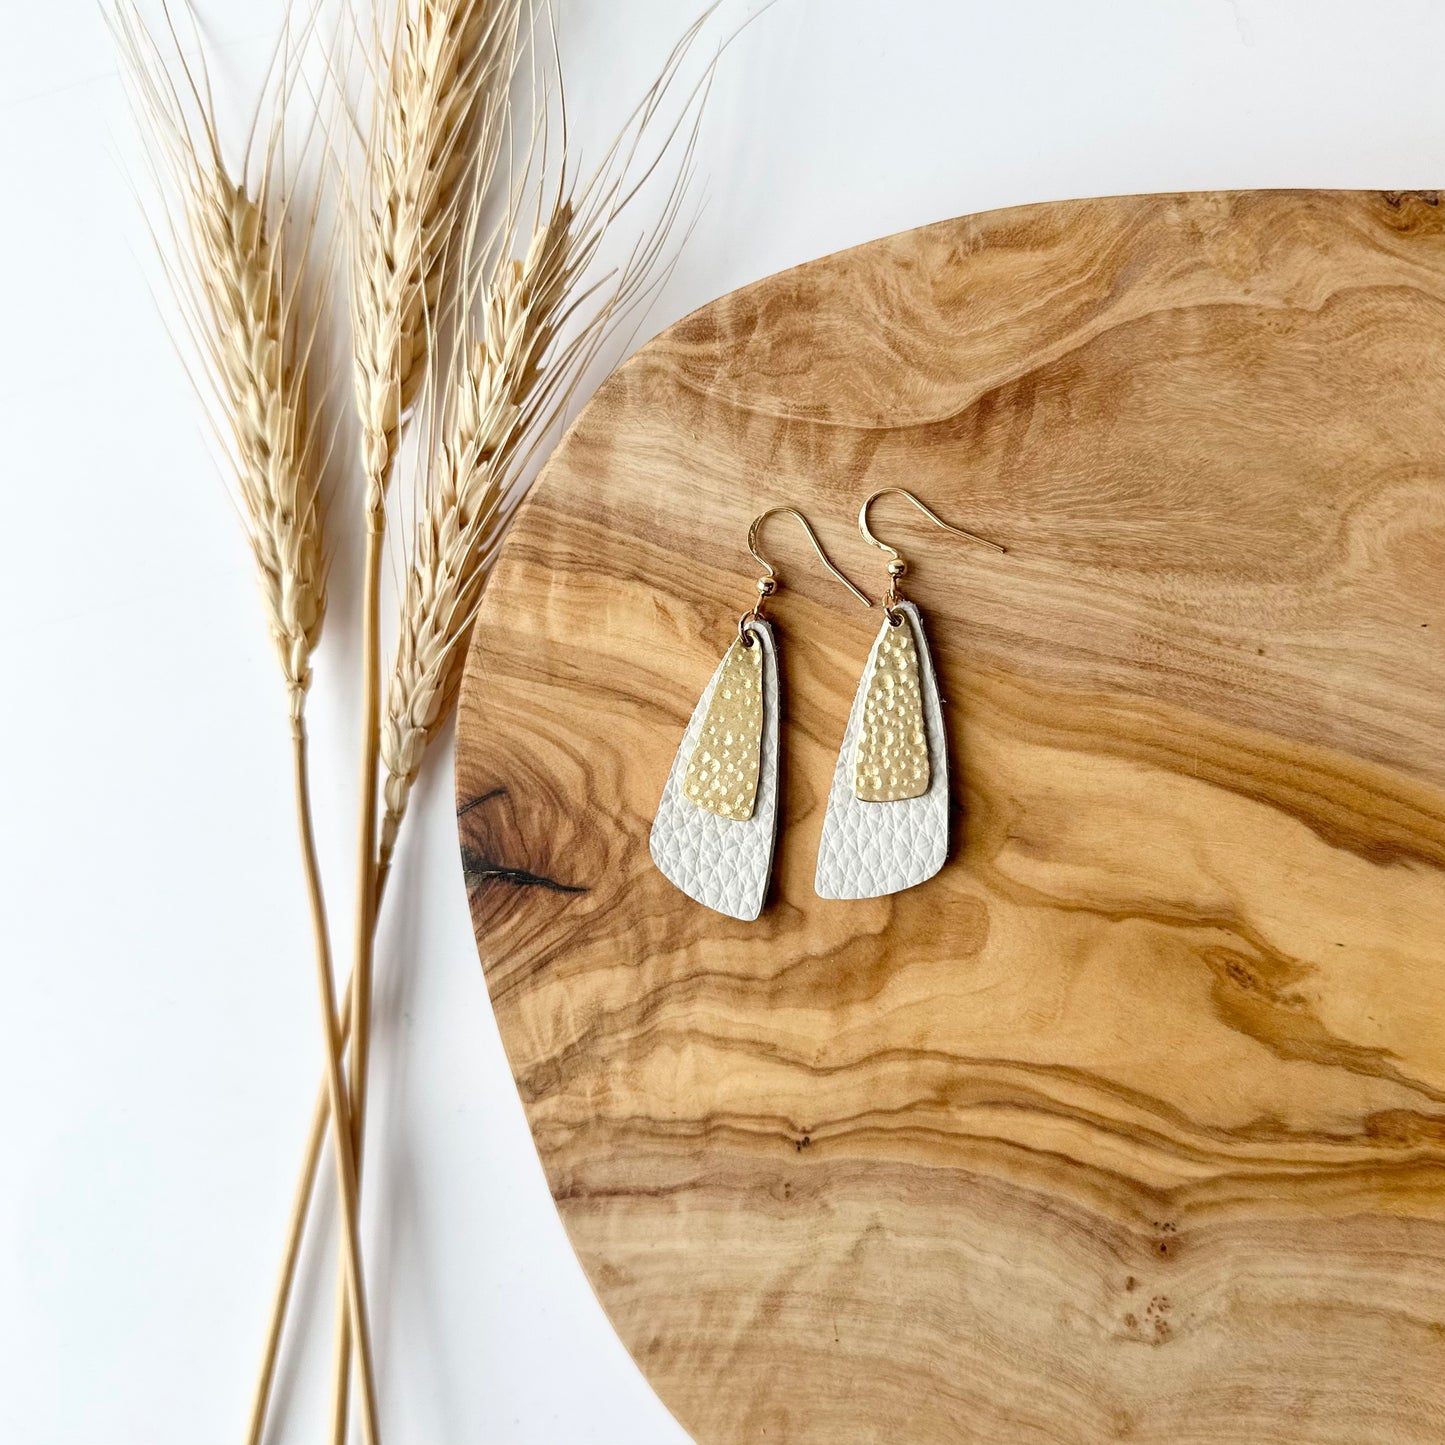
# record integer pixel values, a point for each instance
(1130, 1125)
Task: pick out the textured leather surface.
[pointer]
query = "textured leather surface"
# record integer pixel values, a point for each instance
(871, 849)
(724, 863)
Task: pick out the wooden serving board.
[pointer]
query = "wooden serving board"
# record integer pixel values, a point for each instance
(1130, 1125)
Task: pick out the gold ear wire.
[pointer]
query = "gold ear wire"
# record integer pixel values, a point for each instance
(896, 565)
(768, 583)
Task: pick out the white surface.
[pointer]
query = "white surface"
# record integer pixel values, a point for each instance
(158, 1041)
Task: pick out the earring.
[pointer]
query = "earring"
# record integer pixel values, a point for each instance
(886, 828)
(716, 824)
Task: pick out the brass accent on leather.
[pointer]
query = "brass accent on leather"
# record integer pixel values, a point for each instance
(722, 774)
(892, 760)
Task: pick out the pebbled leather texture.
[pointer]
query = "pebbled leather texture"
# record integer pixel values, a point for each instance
(869, 850)
(723, 863)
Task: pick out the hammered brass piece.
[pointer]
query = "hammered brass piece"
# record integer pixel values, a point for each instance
(892, 762)
(722, 775)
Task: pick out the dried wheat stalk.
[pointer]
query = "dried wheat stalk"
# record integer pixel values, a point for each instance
(439, 112)
(252, 327)
(509, 384)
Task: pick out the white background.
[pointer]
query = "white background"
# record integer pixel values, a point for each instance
(158, 1028)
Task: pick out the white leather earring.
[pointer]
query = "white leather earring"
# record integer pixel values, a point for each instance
(716, 825)
(886, 828)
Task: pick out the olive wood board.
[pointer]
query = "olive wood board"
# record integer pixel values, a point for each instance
(1130, 1124)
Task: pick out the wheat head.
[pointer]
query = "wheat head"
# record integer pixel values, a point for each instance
(466, 489)
(265, 395)
(440, 108)
(249, 326)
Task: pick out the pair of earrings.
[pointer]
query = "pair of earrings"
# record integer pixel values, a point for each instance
(886, 828)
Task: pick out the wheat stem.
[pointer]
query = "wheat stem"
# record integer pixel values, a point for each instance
(300, 1212)
(346, 1182)
(295, 1229)
(365, 923)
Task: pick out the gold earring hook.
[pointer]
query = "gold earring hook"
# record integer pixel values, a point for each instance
(896, 565)
(927, 512)
(768, 583)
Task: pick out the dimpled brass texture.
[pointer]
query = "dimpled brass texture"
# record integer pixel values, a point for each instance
(722, 775)
(892, 761)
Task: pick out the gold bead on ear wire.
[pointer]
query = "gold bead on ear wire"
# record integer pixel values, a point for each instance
(897, 567)
(768, 583)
